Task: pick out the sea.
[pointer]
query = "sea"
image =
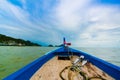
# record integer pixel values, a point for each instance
(13, 58)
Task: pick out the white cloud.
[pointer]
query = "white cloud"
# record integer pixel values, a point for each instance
(81, 21)
(103, 27)
(14, 12)
(68, 13)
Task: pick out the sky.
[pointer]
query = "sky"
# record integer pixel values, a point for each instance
(84, 23)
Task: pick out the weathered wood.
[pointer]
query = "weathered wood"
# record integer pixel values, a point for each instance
(52, 69)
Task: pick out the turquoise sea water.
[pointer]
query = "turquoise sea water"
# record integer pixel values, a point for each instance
(13, 58)
(111, 55)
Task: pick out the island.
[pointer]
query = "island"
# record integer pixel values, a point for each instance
(10, 41)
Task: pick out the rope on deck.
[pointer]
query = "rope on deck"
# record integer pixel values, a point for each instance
(77, 69)
(60, 74)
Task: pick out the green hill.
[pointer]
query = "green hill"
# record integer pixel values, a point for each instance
(9, 41)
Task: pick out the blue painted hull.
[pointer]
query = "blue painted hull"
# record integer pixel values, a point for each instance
(26, 72)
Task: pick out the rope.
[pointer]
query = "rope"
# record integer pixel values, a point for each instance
(77, 69)
(60, 74)
(96, 78)
(69, 51)
(83, 74)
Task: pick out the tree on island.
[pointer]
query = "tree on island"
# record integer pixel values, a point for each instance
(9, 41)
(50, 45)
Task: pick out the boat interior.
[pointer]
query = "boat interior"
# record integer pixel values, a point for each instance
(73, 67)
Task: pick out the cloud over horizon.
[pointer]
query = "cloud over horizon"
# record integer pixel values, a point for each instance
(84, 23)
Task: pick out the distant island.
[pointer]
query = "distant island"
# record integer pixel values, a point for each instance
(9, 41)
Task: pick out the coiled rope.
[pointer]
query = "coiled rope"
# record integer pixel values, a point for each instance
(60, 74)
(83, 74)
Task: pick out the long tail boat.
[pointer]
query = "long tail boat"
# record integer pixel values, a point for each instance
(66, 63)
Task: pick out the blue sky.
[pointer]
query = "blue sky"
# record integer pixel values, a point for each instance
(84, 23)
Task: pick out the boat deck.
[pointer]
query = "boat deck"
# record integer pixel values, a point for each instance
(51, 71)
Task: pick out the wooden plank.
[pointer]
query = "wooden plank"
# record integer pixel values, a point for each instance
(52, 69)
